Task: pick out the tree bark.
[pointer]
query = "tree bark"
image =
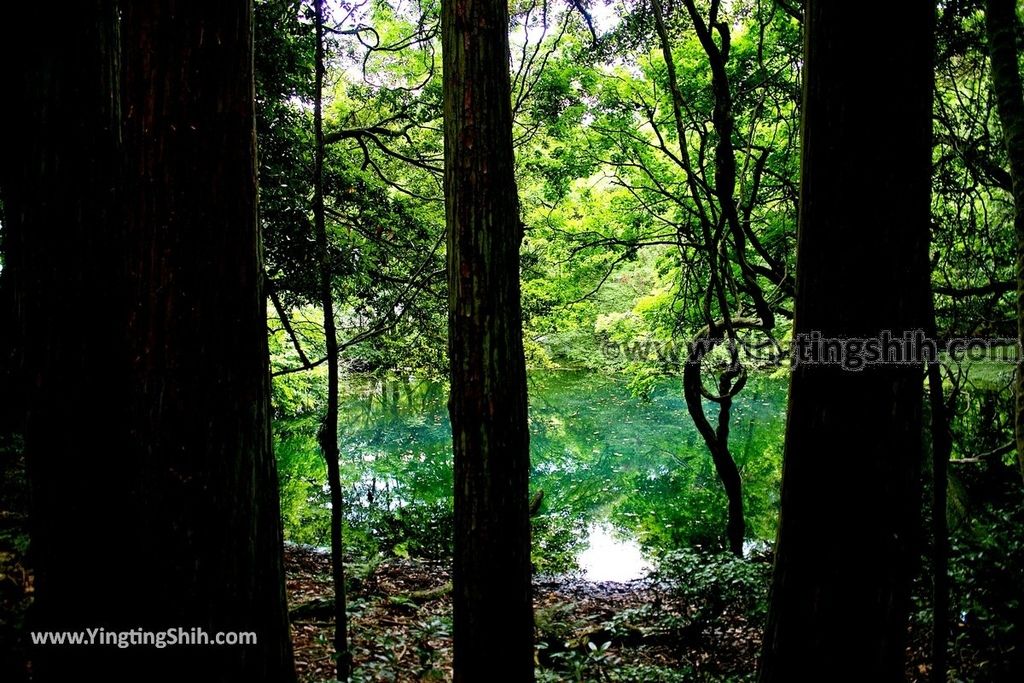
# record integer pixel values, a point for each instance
(130, 199)
(328, 434)
(850, 493)
(1002, 28)
(493, 618)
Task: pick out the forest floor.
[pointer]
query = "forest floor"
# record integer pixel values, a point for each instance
(400, 628)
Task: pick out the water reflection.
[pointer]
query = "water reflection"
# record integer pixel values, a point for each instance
(619, 475)
(607, 558)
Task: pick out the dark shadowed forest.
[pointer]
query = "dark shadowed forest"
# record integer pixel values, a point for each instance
(567, 341)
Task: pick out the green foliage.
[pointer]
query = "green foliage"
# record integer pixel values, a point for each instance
(557, 539)
(301, 473)
(986, 546)
(553, 623)
(384, 217)
(615, 274)
(599, 662)
(971, 204)
(425, 634)
(586, 665)
(709, 581)
(986, 564)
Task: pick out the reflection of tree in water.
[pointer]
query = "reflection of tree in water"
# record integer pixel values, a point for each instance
(642, 465)
(599, 454)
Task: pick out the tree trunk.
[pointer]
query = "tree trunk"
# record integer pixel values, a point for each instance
(130, 203)
(328, 435)
(1002, 28)
(942, 447)
(730, 383)
(732, 379)
(493, 618)
(850, 492)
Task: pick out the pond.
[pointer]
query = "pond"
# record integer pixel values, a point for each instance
(621, 479)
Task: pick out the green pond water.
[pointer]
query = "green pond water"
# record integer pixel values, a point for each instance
(624, 479)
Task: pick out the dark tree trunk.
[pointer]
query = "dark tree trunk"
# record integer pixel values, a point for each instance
(328, 435)
(493, 618)
(942, 447)
(1002, 28)
(850, 491)
(730, 383)
(130, 200)
(725, 157)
